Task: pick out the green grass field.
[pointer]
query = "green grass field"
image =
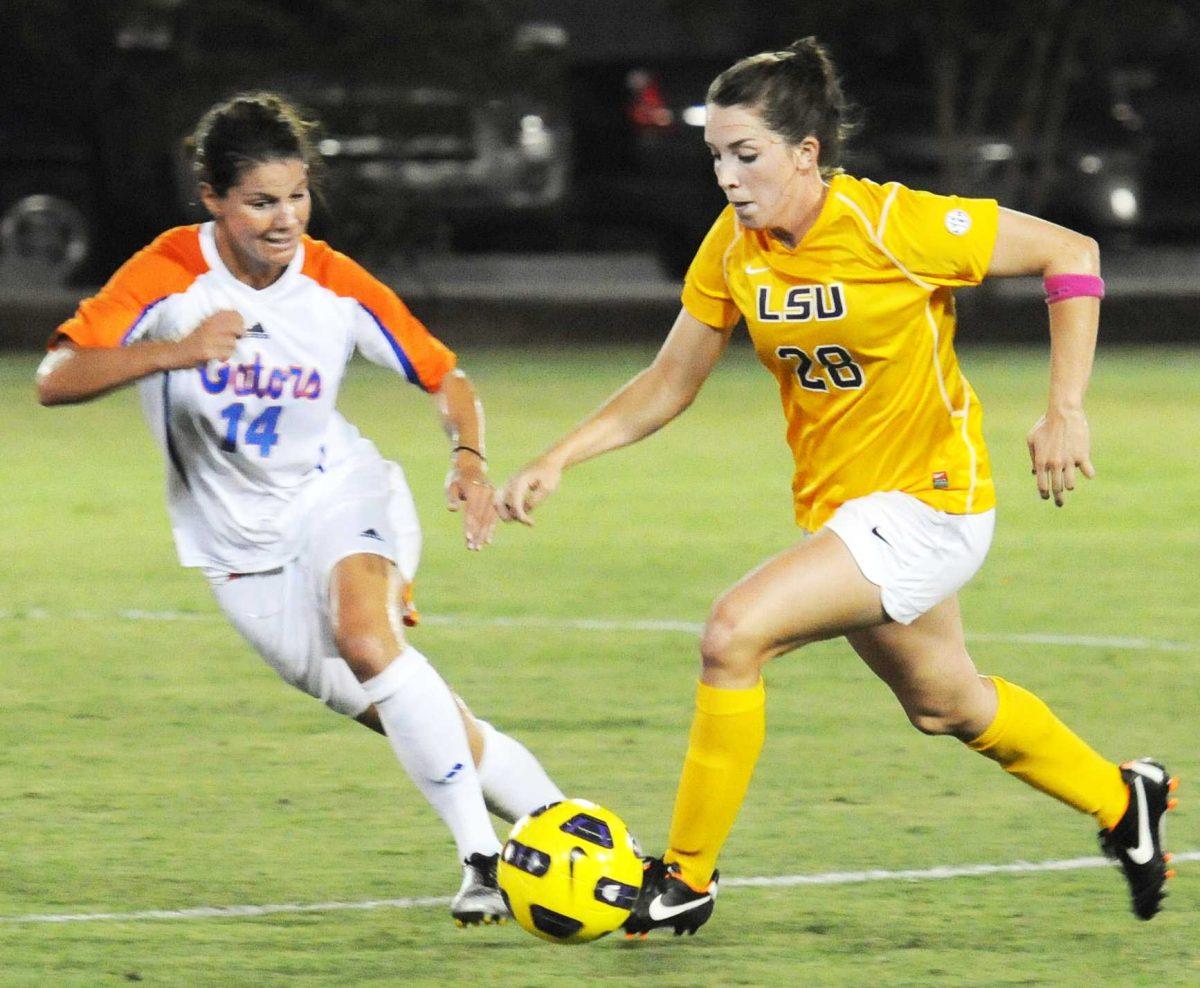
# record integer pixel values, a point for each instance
(149, 761)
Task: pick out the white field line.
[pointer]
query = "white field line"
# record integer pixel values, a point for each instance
(596, 624)
(933, 874)
(607, 624)
(940, 873)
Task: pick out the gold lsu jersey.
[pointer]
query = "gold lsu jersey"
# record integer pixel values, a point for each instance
(857, 325)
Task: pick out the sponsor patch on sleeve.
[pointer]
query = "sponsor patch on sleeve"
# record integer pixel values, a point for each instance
(958, 221)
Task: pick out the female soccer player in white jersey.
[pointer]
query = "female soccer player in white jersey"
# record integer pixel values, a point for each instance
(238, 332)
(846, 287)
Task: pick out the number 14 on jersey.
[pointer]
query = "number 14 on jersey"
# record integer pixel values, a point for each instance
(262, 431)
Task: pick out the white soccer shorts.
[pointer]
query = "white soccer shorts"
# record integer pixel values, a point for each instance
(917, 556)
(285, 613)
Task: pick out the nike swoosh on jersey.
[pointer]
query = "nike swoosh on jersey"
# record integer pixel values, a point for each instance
(1145, 845)
(658, 912)
(750, 270)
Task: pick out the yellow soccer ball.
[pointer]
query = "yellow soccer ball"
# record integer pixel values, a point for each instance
(570, 872)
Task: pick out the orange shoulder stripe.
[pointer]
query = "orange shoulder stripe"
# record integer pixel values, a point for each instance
(167, 266)
(424, 358)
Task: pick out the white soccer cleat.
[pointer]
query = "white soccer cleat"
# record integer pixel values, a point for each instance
(479, 899)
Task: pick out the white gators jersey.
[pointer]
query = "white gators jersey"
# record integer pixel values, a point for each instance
(247, 439)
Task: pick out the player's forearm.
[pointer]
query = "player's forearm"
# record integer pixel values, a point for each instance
(462, 418)
(640, 408)
(1026, 245)
(1074, 323)
(69, 375)
(1073, 327)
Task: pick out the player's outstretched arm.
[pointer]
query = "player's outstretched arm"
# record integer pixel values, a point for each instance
(70, 374)
(1059, 442)
(643, 406)
(467, 485)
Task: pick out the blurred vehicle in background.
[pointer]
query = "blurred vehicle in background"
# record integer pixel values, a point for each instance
(1166, 99)
(640, 128)
(47, 214)
(642, 177)
(1089, 176)
(1089, 127)
(1097, 176)
(473, 124)
(440, 118)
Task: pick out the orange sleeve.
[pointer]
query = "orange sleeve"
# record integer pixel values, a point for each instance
(118, 313)
(388, 333)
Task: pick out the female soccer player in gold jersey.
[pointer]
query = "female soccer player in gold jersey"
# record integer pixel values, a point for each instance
(846, 288)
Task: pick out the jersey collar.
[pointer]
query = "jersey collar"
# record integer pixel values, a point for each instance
(773, 246)
(208, 247)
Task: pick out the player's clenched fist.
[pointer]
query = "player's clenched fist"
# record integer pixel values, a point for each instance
(215, 338)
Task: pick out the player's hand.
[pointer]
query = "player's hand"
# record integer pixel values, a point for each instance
(1059, 443)
(527, 489)
(214, 339)
(469, 490)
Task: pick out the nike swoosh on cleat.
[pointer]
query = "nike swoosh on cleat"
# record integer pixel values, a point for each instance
(1145, 846)
(659, 912)
(1148, 770)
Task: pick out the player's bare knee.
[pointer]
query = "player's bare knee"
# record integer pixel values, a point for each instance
(928, 722)
(729, 646)
(939, 719)
(366, 651)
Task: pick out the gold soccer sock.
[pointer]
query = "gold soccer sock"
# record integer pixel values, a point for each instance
(726, 738)
(1031, 743)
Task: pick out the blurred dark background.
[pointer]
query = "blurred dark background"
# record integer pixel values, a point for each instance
(459, 129)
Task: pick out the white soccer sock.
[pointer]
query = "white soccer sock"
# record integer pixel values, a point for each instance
(513, 781)
(425, 730)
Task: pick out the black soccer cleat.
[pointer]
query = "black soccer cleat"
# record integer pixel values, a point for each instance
(479, 900)
(666, 900)
(1136, 840)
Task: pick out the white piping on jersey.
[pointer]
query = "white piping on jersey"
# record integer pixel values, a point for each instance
(139, 320)
(875, 234)
(961, 413)
(883, 218)
(937, 361)
(966, 438)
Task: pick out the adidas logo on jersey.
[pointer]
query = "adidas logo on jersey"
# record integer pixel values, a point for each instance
(256, 332)
(370, 533)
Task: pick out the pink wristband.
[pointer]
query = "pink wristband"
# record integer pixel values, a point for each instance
(1063, 286)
